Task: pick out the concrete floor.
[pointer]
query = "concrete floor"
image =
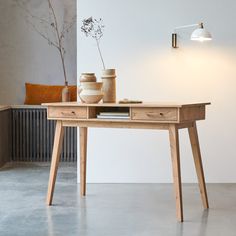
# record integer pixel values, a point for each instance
(108, 209)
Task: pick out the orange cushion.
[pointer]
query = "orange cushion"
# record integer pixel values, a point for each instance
(40, 93)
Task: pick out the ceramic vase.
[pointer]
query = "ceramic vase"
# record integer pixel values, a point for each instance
(65, 94)
(90, 92)
(88, 77)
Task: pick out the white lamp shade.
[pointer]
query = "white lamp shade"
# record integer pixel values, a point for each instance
(201, 34)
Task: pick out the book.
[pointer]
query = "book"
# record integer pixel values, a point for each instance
(113, 117)
(114, 113)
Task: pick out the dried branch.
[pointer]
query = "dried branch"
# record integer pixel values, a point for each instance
(30, 14)
(66, 28)
(43, 35)
(94, 28)
(51, 25)
(61, 49)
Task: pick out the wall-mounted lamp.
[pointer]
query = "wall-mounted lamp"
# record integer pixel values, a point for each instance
(199, 34)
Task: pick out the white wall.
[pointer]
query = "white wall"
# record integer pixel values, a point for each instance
(25, 56)
(137, 42)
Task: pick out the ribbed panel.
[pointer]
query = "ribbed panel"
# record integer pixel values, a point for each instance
(33, 135)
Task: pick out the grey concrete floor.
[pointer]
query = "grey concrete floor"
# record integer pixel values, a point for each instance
(108, 209)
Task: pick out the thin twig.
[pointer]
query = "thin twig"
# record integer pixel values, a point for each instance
(43, 35)
(68, 27)
(62, 54)
(33, 16)
(99, 50)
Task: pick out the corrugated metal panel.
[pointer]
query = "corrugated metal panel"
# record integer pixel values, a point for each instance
(33, 135)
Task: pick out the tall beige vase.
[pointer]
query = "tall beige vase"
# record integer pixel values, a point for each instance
(109, 85)
(65, 94)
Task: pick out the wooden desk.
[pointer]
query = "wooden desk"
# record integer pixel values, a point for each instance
(171, 117)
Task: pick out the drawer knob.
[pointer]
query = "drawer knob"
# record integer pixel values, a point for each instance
(161, 114)
(68, 113)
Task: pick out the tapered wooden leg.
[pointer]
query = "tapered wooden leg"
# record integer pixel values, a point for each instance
(175, 156)
(83, 159)
(58, 139)
(198, 163)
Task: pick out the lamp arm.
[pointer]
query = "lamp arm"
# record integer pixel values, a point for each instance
(187, 26)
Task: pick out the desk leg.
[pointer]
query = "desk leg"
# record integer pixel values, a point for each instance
(175, 156)
(83, 157)
(58, 139)
(193, 135)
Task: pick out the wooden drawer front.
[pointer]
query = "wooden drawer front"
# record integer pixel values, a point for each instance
(192, 113)
(154, 114)
(67, 112)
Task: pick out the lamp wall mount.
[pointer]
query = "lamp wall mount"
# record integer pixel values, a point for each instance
(199, 34)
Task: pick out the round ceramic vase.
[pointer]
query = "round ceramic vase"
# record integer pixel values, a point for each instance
(91, 92)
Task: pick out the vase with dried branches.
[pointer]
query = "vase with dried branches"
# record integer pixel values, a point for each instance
(50, 29)
(94, 28)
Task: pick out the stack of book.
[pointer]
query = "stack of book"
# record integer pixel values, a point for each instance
(113, 115)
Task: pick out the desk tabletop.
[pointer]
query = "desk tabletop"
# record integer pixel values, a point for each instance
(149, 104)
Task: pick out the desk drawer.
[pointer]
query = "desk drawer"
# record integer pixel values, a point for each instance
(154, 114)
(67, 112)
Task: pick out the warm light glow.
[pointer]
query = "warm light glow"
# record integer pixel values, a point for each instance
(202, 39)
